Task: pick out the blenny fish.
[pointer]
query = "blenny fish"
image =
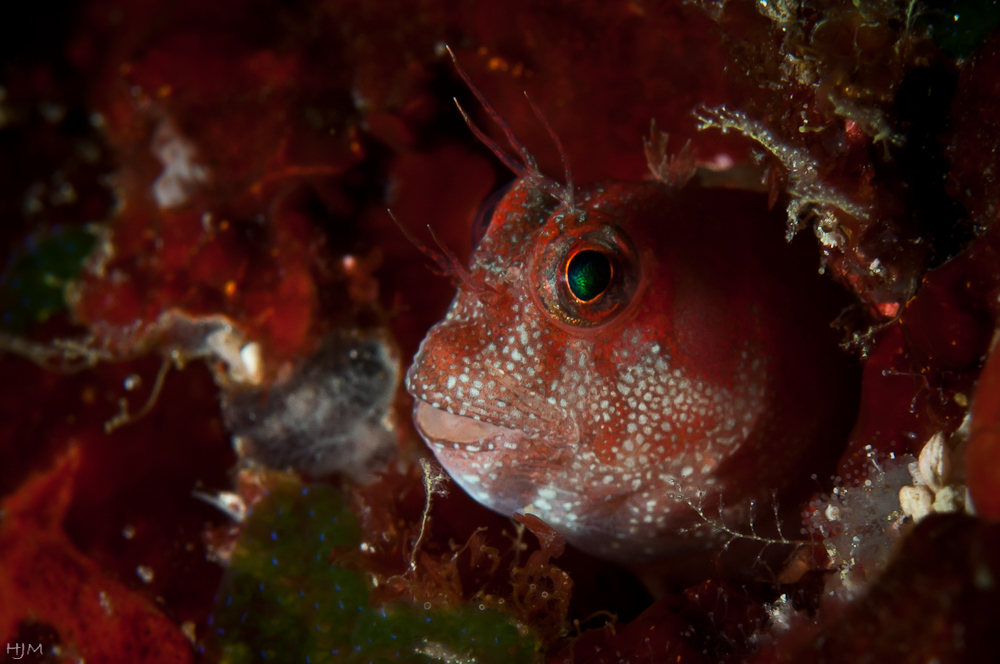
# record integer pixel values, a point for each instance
(635, 363)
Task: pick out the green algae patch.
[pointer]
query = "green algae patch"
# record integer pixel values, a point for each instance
(286, 599)
(32, 288)
(960, 27)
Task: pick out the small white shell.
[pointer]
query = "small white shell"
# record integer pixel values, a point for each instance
(916, 501)
(935, 462)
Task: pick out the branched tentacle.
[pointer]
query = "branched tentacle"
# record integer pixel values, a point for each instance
(567, 189)
(527, 168)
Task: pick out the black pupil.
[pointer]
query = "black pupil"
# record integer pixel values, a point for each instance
(588, 274)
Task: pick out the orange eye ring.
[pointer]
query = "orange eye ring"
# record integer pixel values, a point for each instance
(586, 278)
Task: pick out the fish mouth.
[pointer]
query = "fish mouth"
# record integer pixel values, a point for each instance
(474, 453)
(440, 426)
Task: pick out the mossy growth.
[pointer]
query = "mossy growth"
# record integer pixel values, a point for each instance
(286, 599)
(32, 288)
(960, 27)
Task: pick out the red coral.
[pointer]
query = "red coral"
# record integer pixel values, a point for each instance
(983, 456)
(47, 579)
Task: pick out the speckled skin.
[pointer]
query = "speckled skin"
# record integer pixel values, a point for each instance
(707, 382)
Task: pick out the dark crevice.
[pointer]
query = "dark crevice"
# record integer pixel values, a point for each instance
(923, 113)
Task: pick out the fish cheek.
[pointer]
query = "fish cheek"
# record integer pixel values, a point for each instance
(437, 367)
(456, 366)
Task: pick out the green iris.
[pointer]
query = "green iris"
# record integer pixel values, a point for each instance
(588, 274)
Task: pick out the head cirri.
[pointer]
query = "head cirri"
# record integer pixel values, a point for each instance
(619, 359)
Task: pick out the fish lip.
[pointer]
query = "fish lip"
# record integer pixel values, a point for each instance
(438, 425)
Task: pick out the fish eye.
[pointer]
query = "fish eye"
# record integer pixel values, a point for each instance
(586, 277)
(588, 274)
